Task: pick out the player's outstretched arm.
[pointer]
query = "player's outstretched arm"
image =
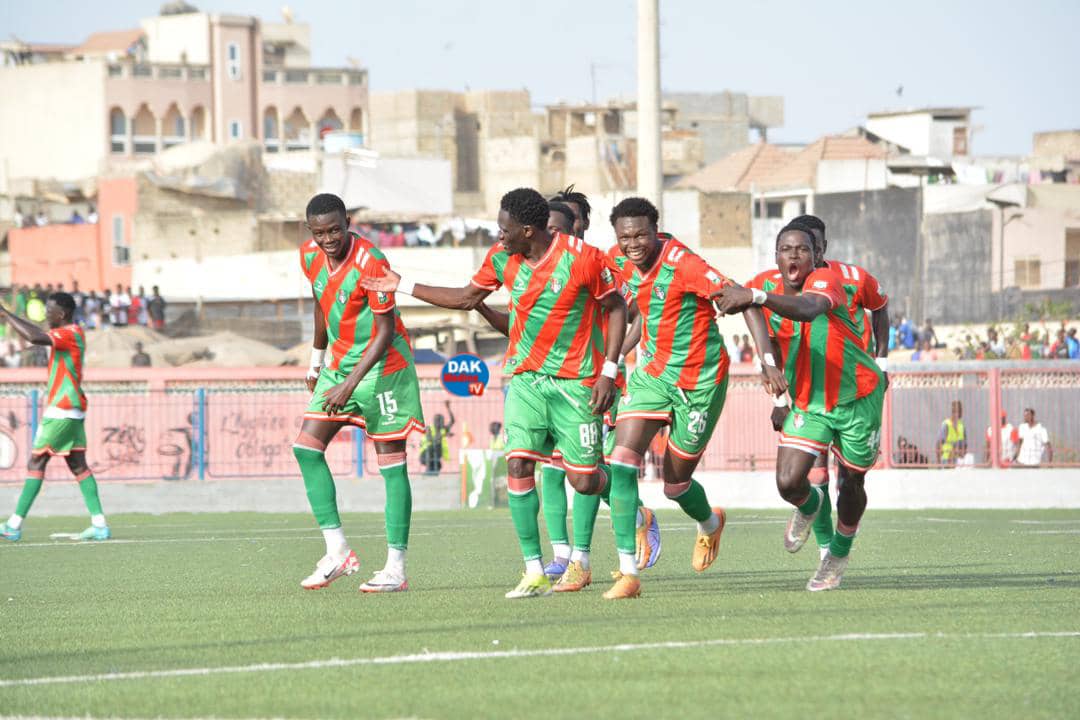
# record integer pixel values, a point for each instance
(465, 298)
(801, 308)
(27, 330)
(772, 378)
(603, 392)
(500, 321)
(336, 397)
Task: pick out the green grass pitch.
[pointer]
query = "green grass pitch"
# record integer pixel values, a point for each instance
(942, 614)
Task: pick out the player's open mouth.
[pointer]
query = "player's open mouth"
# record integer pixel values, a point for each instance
(635, 253)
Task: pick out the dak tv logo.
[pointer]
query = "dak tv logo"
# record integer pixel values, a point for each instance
(465, 375)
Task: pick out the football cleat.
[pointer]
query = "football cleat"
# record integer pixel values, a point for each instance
(647, 542)
(625, 587)
(707, 546)
(829, 573)
(536, 585)
(94, 533)
(798, 530)
(329, 569)
(574, 579)
(9, 533)
(386, 581)
(555, 569)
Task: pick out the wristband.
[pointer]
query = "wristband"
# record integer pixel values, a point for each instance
(883, 363)
(316, 358)
(610, 370)
(622, 358)
(760, 296)
(406, 286)
(769, 359)
(780, 400)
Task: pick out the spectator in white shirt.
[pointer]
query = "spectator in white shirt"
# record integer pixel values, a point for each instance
(120, 302)
(1009, 439)
(1034, 440)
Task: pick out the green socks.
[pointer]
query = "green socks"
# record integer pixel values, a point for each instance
(694, 502)
(31, 488)
(524, 510)
(88, 486)
(319, 484)
(841, 543)
(813, 502)
(398, 505)
(553, 489)
(585, 509)
(624, 504)
(823, 529)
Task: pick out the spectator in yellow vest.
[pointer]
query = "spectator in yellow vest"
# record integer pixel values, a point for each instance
(952, 440)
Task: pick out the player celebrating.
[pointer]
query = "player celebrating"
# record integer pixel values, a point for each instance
(682, 377)
(561, 359)
(836, 386)
(866, 293)
(370, 382)
(62, 430)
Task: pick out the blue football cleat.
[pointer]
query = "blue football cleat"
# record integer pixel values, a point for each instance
(94, 533)
(10, 533)
(555, 569)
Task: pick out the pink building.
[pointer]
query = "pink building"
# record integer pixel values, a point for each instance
(177, 78)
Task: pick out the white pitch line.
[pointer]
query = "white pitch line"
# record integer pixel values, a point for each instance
(1045, 522)
(229, 538)
(1051, 532)
(464, 656)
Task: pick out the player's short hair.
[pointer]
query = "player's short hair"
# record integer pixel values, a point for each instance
(526, 206)
(635, 207)
(810, 221)
(569, 195)
(792, 227)
(65, 301)
(325, 204)
(562, 208)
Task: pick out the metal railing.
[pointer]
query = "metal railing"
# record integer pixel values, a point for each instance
(196, 433)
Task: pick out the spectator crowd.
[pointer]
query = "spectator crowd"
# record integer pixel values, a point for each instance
(999, 343)
(93, 310)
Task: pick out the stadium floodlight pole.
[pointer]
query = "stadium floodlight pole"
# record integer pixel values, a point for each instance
(650, 178)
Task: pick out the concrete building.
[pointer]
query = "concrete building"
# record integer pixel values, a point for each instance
(940, 132)
(724, 120)
(178, 78)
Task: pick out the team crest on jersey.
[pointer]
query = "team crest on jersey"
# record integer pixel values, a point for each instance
(319, 286)
(556, 285)
(713, 277)
(519, 285)
(798, 420)
(342, 297)
(659, 292)
(382, 297)
(605, 275)
(819, 284)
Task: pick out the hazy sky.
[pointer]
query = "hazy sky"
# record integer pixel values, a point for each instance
(832, 61)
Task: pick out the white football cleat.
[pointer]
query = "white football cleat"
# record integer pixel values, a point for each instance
(386, 581)
(329, 569)
(829, 574)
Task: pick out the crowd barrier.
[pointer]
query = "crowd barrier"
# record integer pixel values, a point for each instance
(174, 425)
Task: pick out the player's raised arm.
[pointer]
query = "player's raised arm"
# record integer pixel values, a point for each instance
(27, 330)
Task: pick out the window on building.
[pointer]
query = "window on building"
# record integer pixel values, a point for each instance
(232, 61)
(117, 131)
(1028, 272)
(1072, 257)
(121, 252)
(774, 209)
(959, 141)
(236, 131)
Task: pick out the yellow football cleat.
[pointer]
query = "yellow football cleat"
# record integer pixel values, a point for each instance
(530, 586)
(574, 579)
(706, 546)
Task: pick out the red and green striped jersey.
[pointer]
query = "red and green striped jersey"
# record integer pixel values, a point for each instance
(350, 310)
(556, 323)
(864, 289)
(680, 342)
(825, 360)
(65, 368)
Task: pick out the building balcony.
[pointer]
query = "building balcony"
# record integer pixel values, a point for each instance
(314, 76)
(147, 71)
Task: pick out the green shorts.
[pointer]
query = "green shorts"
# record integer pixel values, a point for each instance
(692, 414)
(386, 406)
(854, 429)
(545, 414)
(59, 436)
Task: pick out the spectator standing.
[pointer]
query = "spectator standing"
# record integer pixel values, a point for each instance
(433, 447)
(906, 333)
(80, 303)
(1073, 343)
(156, 308)
(894, 331)
(929, 335)
(120, 303)
(1060, 349)
(1009, 438)
(1034, 442)
(133, 308)
(141, 358)
(106, 309)
(144, 312)
(40, 220)
(92, 216)
(746, 352)
(92, 311)
(76, 218)
(996, 344)
(952, 439)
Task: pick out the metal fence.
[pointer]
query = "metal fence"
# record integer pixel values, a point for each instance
(197, 433)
